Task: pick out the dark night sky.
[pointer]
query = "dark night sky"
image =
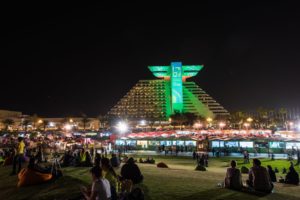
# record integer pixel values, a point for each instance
(67, 59)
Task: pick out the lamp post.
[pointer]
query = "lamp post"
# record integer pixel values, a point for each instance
(143, 124)
(222, 125)
(291, 125)
(249, 120)
(198, 125)
(246, 125)
(122, 127)
(209, 120)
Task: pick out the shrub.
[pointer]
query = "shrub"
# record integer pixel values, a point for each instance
(162, 165)
(244, 170)
(200, 168)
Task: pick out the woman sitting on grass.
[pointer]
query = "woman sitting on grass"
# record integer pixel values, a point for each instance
(272, 174)
(110, 174)
(100, 187)
(132, 172)
(292, 176)
(233, 178)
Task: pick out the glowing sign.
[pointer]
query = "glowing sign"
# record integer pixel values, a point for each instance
(176, 87)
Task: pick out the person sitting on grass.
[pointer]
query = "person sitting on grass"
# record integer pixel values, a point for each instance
(135, 194)
(82, 156)
(39, 156)
(9, 157)
(110, 174)
(33, 175)
(97, 159)
(100, 189)
(131, 171)
(292, 176)
(88, 160)
(115, 162)
(125, 159)
(77, 160)
(259, 178)
(150, 160)
(272, 174)
(67, 159)
(233, 179)
(201, 160)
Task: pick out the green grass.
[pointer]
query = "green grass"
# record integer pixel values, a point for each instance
(179, 182)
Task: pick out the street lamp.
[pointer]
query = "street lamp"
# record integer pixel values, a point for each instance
(122, 127)
(246, 125)
(68, 127)
(198, 125)
(298, 126)
(209, 120)
(143, 123)
(222, 125)
(291, 125)
(249, 119)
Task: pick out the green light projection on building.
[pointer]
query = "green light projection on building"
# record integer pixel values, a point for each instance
(176, 73)
(176, 87)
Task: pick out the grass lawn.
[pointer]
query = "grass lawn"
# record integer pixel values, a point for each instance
(179, 182)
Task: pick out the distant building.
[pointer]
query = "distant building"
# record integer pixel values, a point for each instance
(18, 118)
(15, 116)
(10, 114)
(74, 123)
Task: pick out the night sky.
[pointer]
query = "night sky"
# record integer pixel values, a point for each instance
(60, 60)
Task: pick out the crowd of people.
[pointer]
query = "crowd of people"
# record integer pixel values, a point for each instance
(260, 179)
(106, 183)
(148, 160)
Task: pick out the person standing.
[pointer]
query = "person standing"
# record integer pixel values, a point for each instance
(19, 156)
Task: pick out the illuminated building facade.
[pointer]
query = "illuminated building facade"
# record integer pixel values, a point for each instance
(171, 93)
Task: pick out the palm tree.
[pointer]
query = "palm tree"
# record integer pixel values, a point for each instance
(238, 118)
(283, 115)
(102, 120)
(263, 117)
(178, 119)
(190, 118)
(7, 123)
(84, 121)
(45, 124)
(25, 124)
(34, 120)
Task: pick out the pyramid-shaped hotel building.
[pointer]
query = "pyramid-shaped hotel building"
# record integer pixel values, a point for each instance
(158, 99)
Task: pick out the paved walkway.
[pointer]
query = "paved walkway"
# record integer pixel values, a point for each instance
(190, 154)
